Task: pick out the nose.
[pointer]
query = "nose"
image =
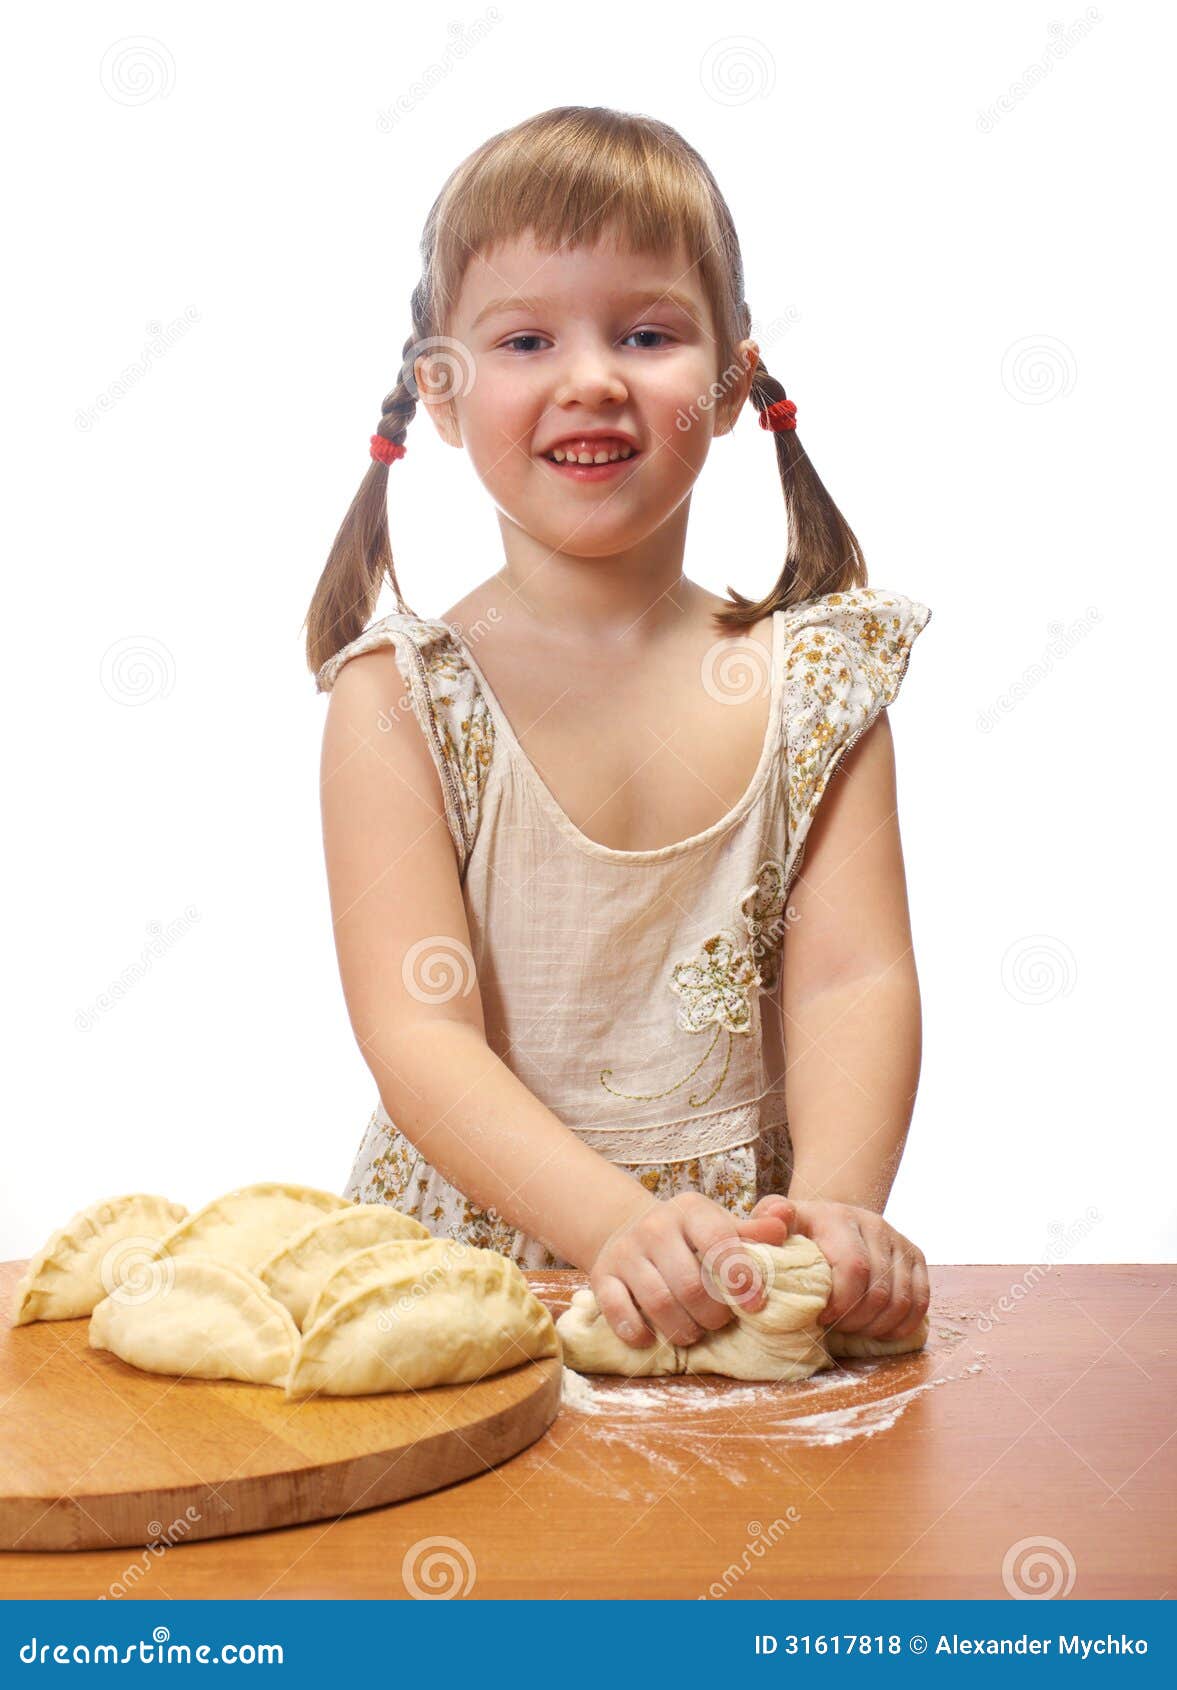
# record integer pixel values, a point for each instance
(590, 378)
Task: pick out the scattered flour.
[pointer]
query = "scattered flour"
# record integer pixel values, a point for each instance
(733, 1427)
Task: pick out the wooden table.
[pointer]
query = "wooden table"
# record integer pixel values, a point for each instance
(1032, 1446)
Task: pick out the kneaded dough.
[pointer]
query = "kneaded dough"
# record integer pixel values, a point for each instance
(782, 1340)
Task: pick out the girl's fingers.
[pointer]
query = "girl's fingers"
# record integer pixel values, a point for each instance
(900, 1306)
(716, 1241)
(659, 1305)
(622, 1313)
(920, 1296)
(679, 1266)
(848, 1252)
(777, 1205)
(871, 1308)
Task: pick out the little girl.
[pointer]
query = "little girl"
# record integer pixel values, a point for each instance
(564, 821)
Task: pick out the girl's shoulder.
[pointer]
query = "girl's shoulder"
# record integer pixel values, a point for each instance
(844, 657)
(404, 633)
(869, 628)
(442, 692)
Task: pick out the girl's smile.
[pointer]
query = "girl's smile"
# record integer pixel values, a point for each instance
(585, 359)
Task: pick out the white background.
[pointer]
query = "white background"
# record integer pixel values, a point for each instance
(963, 213)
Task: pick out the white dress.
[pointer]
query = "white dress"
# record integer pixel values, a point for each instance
(626, 988)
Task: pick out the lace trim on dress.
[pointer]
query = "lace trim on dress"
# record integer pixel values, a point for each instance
(676, 1141)
(845, 655)
(449, 706)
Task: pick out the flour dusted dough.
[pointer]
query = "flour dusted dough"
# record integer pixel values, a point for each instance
(86, 1258)
(782, 1340)
(297, 1271)
(424, 1319)
(247, 1226)
(206, 1318)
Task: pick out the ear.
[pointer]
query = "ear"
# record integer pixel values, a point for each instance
(434, 383)
(747, 357)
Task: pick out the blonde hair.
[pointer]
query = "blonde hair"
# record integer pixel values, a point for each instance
(569, 177)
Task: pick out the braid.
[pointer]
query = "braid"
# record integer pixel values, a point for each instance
(823, 554)
(400, 406)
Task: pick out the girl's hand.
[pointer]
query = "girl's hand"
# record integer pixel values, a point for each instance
(655, 1267)
(880, 1277)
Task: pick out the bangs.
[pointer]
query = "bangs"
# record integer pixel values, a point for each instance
(572, 177)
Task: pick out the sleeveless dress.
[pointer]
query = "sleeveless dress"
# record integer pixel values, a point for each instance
(636, 993)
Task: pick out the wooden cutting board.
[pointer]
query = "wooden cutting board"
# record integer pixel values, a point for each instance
(95, 1453)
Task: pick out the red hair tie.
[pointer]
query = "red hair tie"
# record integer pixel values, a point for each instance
(384, 451)
(781, 415)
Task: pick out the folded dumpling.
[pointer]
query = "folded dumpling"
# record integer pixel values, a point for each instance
(373, 1262)
(101, 1247)
(300, 1266)
(247, 1226)
(208, 1319)
(425, 1320)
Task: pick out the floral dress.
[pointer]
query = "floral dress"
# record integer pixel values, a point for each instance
(636, 993)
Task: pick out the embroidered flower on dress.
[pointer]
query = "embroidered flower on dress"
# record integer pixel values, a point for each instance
(716, 988)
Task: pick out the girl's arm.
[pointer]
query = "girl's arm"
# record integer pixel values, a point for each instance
(412, 994)
(852, 1027)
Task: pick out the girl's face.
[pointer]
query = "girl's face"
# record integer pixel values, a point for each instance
(545, 347)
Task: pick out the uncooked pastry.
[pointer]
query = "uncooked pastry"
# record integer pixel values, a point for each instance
(247, 1226)
(782, 1340)
(85, 1259)
(425, 1321)
(299, 1267)
(374, 1262)
(208, 1319)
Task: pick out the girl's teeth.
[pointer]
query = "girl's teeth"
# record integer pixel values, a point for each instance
(610, 456)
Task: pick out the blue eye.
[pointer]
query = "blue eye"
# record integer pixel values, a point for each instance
(516, 337)
(659, 334)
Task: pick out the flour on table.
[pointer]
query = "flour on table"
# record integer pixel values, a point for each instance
(734, 1428)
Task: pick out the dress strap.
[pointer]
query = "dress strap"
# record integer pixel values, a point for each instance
(448, 703)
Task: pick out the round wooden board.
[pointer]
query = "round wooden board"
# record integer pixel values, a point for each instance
(95, 1453)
